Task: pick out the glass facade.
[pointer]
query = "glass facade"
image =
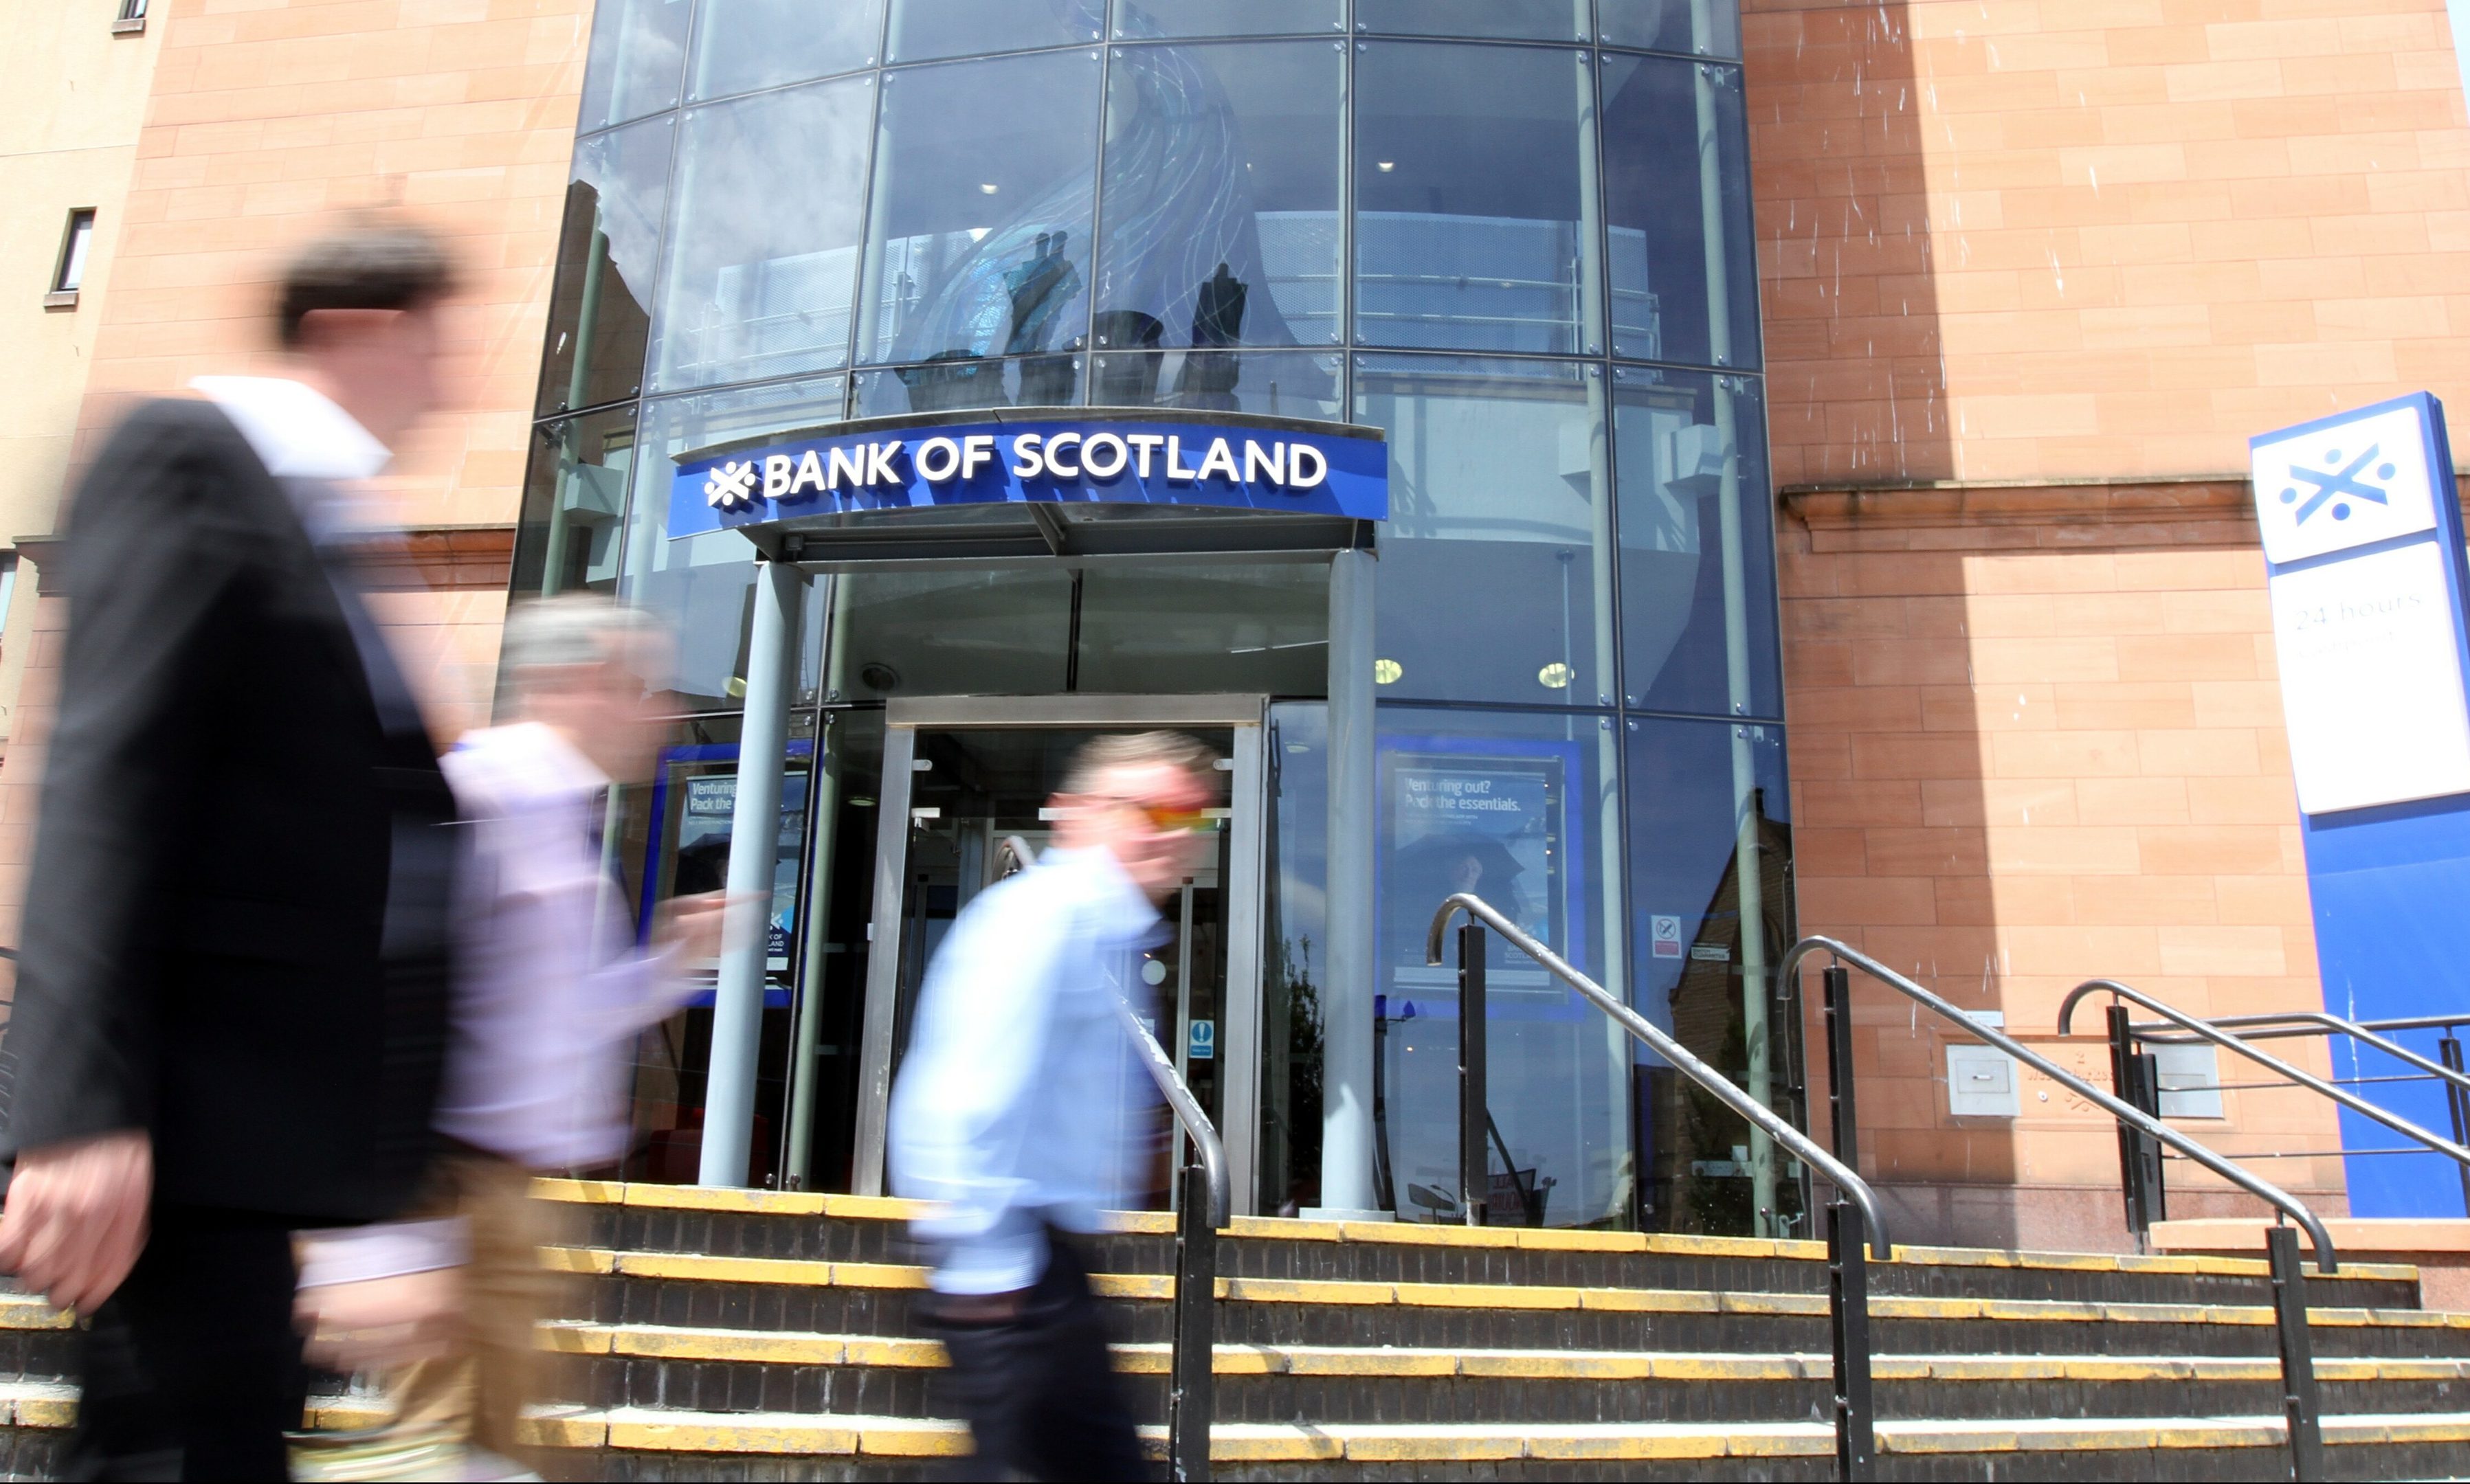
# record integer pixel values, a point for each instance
(1513, 233)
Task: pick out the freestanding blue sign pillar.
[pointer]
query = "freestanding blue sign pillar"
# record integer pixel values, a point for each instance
(2363, 548)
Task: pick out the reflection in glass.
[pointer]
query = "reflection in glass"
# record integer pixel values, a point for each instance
(959, 385)
(979, 246)
(1162, 629)
(1476, 199)
(1296, 917)
(1280, 384)
(574, 501)
(1221, 207)
(1677, 193)
(1495, 579)
(763, 251)
(639, 60)
(1704, 796)
(599, 311)
(1697, 543)
(1522, 810)
(743, 46)
(949, 633)
(1538, 20)
(832, 956)
(702, 588)
(1703, 27)
(671, 840)
(925, 29)
(1140, 19)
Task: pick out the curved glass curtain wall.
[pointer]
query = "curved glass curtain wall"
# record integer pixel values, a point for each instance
(1513, 233)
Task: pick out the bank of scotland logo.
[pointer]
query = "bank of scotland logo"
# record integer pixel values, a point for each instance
(730, 486)
(2343, 481)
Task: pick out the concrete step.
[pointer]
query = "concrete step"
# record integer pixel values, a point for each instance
(649, 1444)
(721, 1370)
(693, 1290)
(844, 1228)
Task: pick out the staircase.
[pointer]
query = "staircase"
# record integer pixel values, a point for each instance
(757, 1335)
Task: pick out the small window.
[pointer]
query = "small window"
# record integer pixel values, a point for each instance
(71, 271)
(130, 21)
(132, 10)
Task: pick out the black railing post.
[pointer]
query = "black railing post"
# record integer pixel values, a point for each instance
(2135, 1079)
(2456, 1098)
(1838, 983)
(1474, 1123)
(2300, 1408)
(1191, 1401)
(1848, 1313)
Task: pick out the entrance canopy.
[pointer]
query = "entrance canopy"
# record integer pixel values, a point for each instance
(1005, 484)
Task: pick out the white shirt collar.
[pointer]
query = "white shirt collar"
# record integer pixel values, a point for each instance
(296, 430)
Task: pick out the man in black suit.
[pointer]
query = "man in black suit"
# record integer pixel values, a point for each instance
(231, 990)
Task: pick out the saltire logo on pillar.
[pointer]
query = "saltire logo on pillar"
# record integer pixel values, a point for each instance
(2364, 560)
(1229, 462)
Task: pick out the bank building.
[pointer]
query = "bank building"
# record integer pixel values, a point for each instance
(1694, 475)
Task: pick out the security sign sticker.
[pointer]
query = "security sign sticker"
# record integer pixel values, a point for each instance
(2341, 483)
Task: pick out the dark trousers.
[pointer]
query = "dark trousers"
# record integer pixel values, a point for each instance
(1038, 1389)
(193, 1369)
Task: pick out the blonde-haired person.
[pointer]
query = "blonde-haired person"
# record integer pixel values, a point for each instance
(549, 988)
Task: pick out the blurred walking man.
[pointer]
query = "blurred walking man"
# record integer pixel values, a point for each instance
(231, 1000)
(1010, 1109)
(549, 988)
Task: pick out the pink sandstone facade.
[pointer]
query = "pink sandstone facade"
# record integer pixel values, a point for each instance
(2034, 270)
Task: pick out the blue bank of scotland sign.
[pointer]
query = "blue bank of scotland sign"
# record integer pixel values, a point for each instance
(1269, 465)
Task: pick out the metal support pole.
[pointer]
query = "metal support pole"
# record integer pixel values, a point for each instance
(1347, 1132)
(2135, 1075)
(579, 391)
(1475, 1120)
(1839, 1066)
(2457, 1101)
(1191, 1402)
(1848, 1313)
(2301, 1408)
(754, 854)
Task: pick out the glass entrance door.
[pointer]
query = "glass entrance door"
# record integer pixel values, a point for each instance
(980, 776)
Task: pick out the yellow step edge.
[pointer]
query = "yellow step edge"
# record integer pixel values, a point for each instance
(48, 1405)
(651, 1430)
(780, 1348)
(694, 1198)
(19, 1311)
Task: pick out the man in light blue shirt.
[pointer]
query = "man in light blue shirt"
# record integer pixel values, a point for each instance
(1014, 1111)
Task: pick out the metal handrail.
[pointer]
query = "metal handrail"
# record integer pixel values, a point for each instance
(1645, 1031)
(1171, 1084)
(2231, 1043)
(1187, 1111)
(1854, 1210)
(1207, 1205)
(2136, 1118)
(2298, 1023)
